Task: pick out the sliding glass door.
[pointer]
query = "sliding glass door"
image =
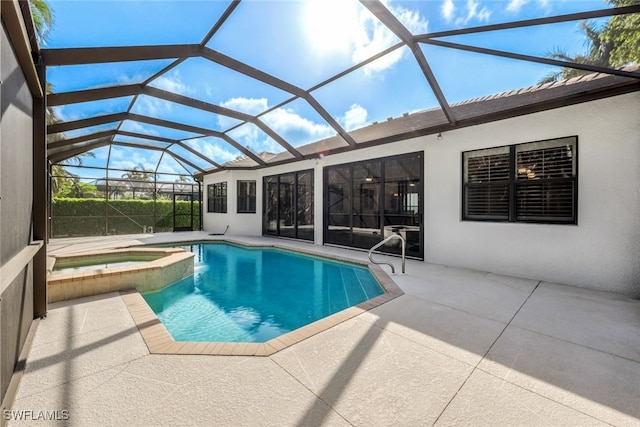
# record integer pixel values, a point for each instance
(288, 205)
(337, 198)
(270, 202)
(368, 201)
(365, 210)
(402, 213)
(304, 215)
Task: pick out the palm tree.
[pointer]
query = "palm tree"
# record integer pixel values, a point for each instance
(614, 44)
(182, 183)
(599, 54)
(60, 175)
(138, 173)
(42, 18)
(42, 15)
(140, 178)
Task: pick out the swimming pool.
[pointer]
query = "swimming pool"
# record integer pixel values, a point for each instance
(240, 294)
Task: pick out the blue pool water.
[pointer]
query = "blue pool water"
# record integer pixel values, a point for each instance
(239, 294)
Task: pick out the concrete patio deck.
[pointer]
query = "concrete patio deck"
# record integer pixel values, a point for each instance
(461, 347)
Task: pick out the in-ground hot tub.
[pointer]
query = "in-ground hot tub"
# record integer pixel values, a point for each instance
(93, 273)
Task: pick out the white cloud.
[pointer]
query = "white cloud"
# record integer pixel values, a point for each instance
(150, 106)
(355, 117)
(101, 153)
(250, 137)
(473, 14)
(128, 158)
(286, 121)
(125, 79)
(295, 129)
(411, 19)
(62, 114)
(292, 127)
(170, 165)
(251, 106)
(173, 83)
(136, 127)
(209, 147)
(218, 154)
(515, 5)
(448, 10)
(472, 11)
(384, 63)
(343, 28)
(372, 37)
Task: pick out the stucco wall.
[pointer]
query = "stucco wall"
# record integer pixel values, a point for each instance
(601, 252)
(245, 224)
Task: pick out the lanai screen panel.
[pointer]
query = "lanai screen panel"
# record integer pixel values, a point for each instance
(251, 83)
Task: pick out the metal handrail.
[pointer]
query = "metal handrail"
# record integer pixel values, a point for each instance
(393, 236)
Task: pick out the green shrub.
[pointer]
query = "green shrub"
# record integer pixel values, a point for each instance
(94, 217)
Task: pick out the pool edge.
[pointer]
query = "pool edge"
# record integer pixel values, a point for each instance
(159, 340)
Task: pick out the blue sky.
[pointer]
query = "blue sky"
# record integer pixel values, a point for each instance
(303, 42)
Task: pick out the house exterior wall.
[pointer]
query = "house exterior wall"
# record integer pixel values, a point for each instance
(601, 252)
(245, 224)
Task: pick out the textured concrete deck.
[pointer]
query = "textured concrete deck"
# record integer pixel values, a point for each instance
(460, 347)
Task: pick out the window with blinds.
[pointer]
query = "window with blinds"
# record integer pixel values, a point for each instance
(486, 191)
(217, 197)
(532, 182)
(246, 197)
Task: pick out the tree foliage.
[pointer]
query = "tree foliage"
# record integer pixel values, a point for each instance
(76, 188)
(623, 33)
(614, 44)
(63, 181)
(42, 19)
(139, 173)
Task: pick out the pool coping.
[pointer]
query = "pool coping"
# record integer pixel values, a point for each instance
(159, 340)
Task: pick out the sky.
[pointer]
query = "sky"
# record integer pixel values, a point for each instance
(305, 43)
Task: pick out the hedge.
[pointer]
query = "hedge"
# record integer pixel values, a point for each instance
(94, 217)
